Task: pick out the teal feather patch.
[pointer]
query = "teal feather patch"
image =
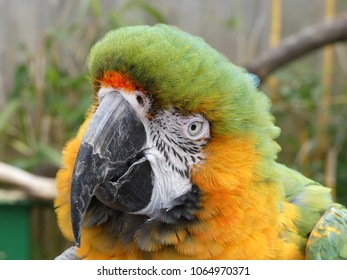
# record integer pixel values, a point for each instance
(255, 79)
(328, 239)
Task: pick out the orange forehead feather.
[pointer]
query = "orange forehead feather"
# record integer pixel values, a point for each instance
(118, 80)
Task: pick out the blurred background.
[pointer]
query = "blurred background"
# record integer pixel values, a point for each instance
(44, 90)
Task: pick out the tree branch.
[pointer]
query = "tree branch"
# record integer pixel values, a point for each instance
(297, 45)
(35, 186)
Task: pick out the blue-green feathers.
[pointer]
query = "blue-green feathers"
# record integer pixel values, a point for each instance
(328, 240)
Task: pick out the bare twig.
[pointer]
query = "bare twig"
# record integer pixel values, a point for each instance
(35, 186)
(297, 45)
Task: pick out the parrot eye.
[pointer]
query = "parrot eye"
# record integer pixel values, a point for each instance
(194, 128)
(197, 128)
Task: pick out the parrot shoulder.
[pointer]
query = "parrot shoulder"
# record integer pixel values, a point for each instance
(310, 198)
(328, 239)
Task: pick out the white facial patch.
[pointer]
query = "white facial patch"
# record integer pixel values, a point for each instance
(175, 144)
(167, 184)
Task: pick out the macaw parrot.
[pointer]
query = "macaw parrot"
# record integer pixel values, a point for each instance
(176, 159)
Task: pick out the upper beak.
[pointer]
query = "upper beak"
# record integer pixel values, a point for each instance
(110, 163)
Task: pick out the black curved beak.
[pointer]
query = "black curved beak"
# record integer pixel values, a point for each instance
(110, 164)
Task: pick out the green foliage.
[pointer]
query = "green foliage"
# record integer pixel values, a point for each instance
(300, 97)
(143, 6)
(51, 90)
(232, 22)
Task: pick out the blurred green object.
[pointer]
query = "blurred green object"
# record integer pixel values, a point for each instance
(15, 232)
(28, 228)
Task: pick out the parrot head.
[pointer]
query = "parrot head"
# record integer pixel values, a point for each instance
(173, 124)
(133, 159)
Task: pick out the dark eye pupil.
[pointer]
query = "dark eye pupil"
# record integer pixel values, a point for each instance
(193, 127)
(139, 99)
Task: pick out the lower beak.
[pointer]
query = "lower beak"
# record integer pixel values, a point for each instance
(110, 164)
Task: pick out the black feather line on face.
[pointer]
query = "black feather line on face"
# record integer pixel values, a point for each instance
(168, 139)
